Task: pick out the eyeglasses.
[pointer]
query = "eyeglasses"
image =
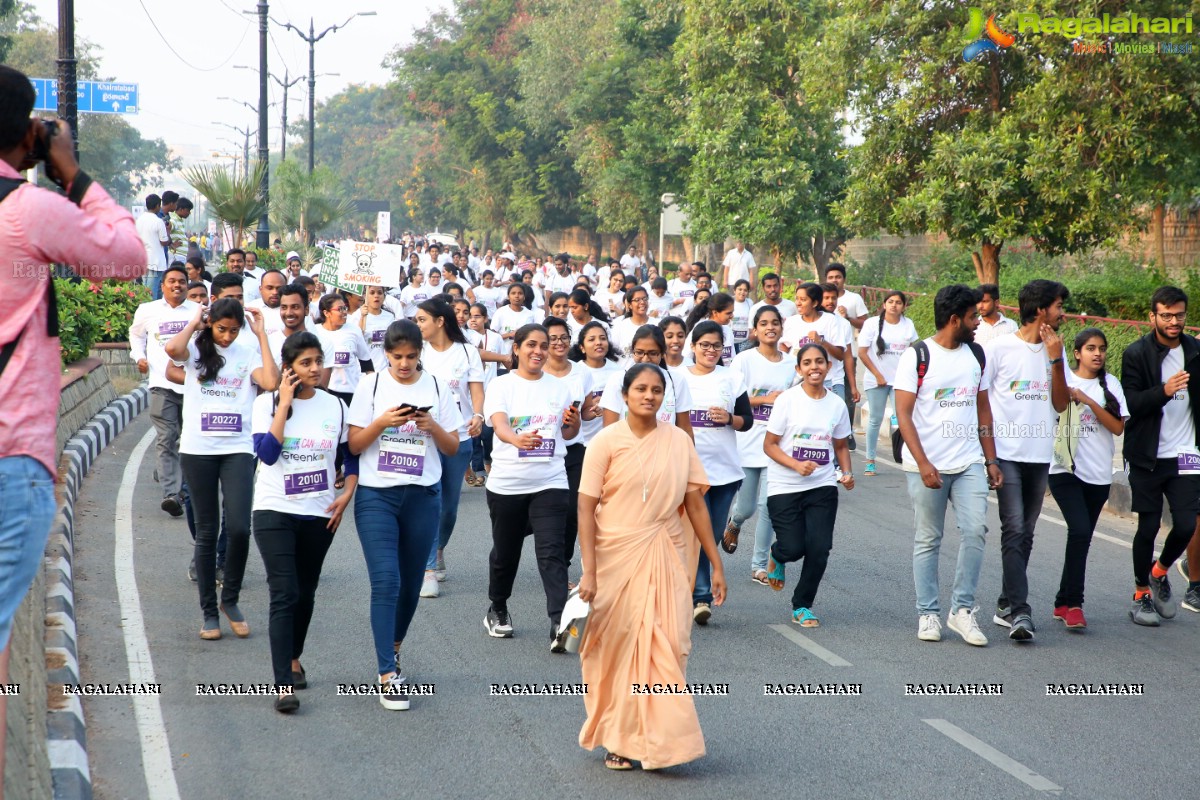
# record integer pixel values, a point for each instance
(647, 354)
(1173, 317)
(561, 339)
(711, 347)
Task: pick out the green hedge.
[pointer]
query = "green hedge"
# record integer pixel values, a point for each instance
(90, 313)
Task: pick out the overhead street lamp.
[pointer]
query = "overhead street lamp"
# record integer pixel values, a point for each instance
(245, 147)
(285, 84)
(312, 39)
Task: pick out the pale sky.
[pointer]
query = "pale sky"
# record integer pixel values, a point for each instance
(179, 102)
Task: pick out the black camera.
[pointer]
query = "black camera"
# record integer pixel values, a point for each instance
(41, 145)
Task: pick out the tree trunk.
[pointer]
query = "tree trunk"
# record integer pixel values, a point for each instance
(531, 245)
(1157, 237)
(596, 243)
(987, 262)
(487, 241)
(823, 252)
(688, 249)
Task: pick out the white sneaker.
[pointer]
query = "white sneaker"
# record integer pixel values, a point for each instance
(930, 628)
(963, 623)
(430, 587)
(393, 695)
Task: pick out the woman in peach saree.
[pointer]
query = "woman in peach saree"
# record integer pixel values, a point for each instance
(640, 506)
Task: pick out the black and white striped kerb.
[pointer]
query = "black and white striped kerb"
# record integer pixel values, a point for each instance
(66, 739)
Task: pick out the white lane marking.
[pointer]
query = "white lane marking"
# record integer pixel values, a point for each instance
(1097, 534)
(828, 656)
(156, 751)
(989, 753)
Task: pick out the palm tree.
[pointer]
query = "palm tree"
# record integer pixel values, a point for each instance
(233, 200)
(306, 203)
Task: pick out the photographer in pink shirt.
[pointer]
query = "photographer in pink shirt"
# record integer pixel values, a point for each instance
(86, 230)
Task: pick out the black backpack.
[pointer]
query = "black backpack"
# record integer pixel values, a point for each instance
(922, 349)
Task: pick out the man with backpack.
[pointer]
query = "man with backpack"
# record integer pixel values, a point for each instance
(949, 455)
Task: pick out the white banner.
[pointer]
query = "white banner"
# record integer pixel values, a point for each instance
(369, 263)
(383, 226)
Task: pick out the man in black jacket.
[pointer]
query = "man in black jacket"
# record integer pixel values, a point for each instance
(1161, 380)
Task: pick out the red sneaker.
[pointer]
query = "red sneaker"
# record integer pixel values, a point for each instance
(1074, 618)
(1060, 612)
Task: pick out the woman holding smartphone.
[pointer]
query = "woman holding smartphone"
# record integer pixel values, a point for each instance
(216, 451)
(297, 434)
(534, 415)
(401, 421)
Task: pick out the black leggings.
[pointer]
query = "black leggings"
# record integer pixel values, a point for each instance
(293, 550)
(1148, 488)
(1080, 504)
(220, 484)
(574, 465)
(513, 517)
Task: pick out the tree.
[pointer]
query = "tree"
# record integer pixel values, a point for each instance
(1030, 140)
(232, 199)
(769, 163)
(304, 203)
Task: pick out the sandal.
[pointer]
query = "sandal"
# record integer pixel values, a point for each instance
(870, 468)
(805, 618)
(729, 541)
(760, 577)
(614, 761)
(339, 481)
(775, 574)
(470, 478)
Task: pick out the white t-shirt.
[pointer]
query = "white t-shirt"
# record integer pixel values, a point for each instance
(153, 231)
(945, 413)
(761, 377)
(505, 320)
(806, 430)
(986, 331)
(154, 324)
(492, 343)
(896, 339)
(1178, 430)
(412, 296)
(676, 400)
(301, 480)
(579, 380)
(740, 266)
(660, 306)
(685, 291)
(250, 285)
(377, 325)
(830, 327)
(402, 455)
(740, 324)
(630, 263)
(489, 298)
(853, 303)
(561, 283)
(611, 304)
(530, 406)
(1023, 414)
(786, 308)
(272, 322)
(217, 413)
(457, 367)
(1096, 446)
(599, 382)
(575, 327)
(716, 443)
(623, 331)
(343, 349)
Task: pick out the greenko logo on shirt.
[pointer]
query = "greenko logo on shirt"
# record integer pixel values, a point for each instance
(955, 396)
(1029, 390)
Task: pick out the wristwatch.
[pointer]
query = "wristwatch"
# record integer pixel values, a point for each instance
(992, 463)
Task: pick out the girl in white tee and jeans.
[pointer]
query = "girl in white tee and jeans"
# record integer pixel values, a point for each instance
(297, 433)
(806, 437)
(401, 421)
(883, 339)
(216, 451)
(1081, 489)
(345, 347)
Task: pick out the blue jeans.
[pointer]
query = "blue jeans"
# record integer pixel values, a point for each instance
(968, 491)
(396, 527)
(877, 400)
(718, 499)
(154, 279)
(453, 469)
(26, 512)
(752, 495)
(483, 449)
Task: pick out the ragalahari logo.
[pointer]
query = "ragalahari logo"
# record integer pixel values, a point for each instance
(984, 37)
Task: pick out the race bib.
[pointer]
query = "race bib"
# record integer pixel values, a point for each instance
(377, 336)
(702, 418)
(803, 451)
(341, 358)
(727, 352)
(1189, 461)
(762, 413)
(687, 294)
(741, 335)
(170, 328)
(305, 478)
(545, 449)
(215, 421)
(404, 456)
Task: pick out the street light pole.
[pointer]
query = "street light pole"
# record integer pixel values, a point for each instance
(68, 95)
(311, 39)
(263, 235)
(286, 85)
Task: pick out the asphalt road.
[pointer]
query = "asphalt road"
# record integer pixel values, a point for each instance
(464, 743)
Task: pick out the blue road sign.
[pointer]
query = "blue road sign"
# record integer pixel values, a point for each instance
(94, 97)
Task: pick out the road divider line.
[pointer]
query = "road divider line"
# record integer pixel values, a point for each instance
(828, 656)
(156, 750)
(991, 754)
(1043, 516)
